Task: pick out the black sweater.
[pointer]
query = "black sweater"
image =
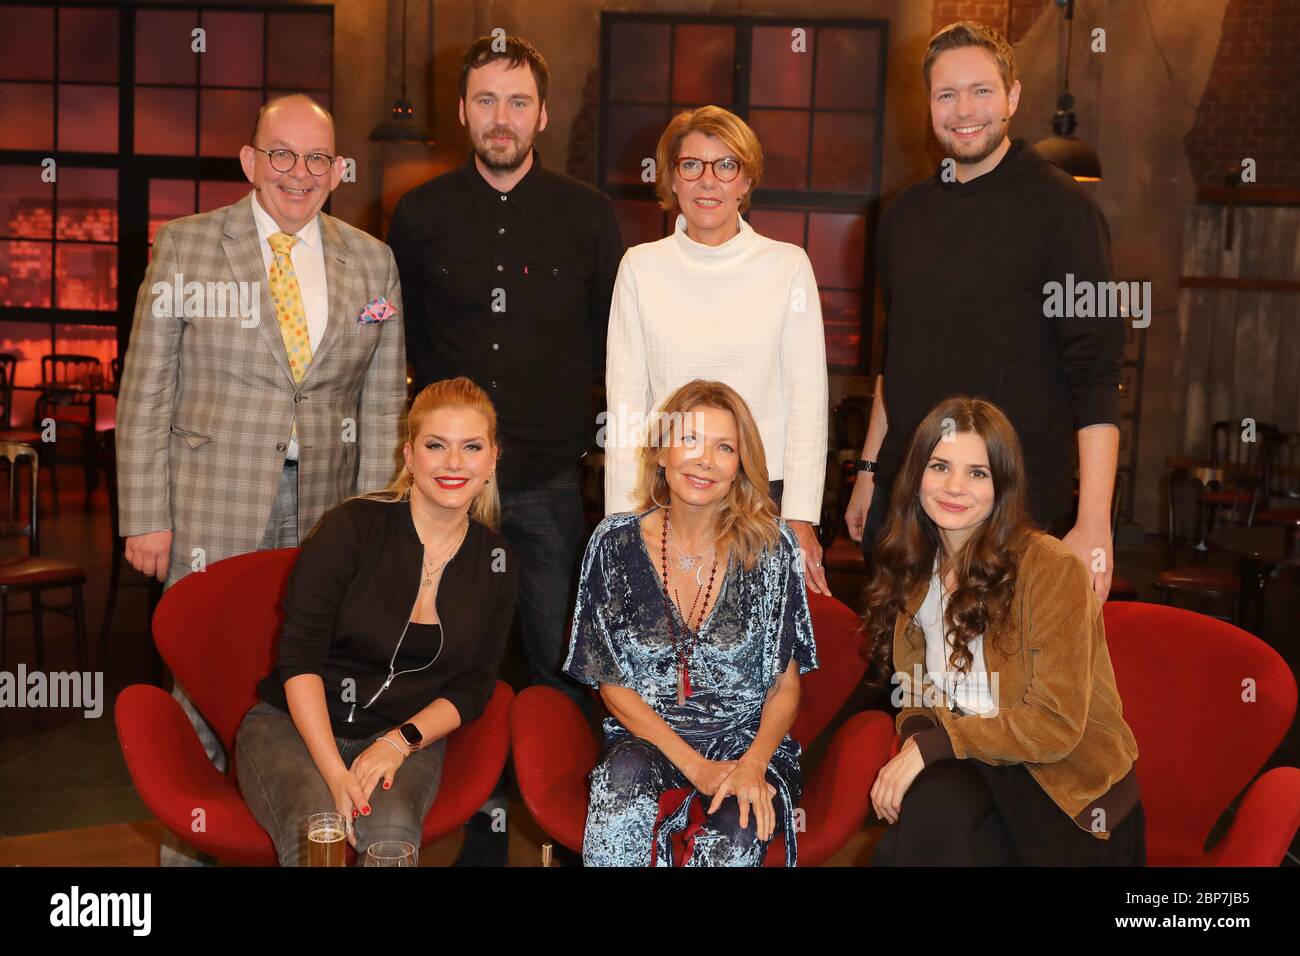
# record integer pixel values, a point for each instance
(962, 268)
(349, 598)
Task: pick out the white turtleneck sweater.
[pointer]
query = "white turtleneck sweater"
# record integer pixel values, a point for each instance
(746, 313)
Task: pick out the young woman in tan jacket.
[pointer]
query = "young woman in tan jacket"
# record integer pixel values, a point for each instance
(1015, 750)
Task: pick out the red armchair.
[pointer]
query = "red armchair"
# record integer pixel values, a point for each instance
(1182, 679)
(554, 748)
(216, 630)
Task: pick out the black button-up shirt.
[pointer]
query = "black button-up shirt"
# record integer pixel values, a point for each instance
(512, 289)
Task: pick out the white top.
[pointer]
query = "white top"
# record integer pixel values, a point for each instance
(970, 690)
(746, 313)
(308, 260)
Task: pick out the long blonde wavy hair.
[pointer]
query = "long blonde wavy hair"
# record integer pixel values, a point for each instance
(449, 393)
(746, 521)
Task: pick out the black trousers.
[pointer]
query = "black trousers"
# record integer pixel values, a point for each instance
(968, 813)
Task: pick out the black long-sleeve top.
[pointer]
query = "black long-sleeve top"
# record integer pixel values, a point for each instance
(351, 594)
(962, 268)
(512, 289)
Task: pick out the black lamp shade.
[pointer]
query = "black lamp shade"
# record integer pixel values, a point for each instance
(402, 127)
(1073, 155)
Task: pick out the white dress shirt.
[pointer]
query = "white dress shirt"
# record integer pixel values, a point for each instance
(746, 313)
(970, 690)
(308, 260)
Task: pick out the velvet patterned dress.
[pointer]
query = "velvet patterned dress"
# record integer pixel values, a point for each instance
(759, 622)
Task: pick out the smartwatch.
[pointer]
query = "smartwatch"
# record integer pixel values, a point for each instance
(864, 465)
(411, 734)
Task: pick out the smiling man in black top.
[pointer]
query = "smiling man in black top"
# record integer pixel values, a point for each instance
(963, 259)
(507, 271)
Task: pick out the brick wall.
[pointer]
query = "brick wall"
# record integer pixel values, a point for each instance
(991, 12)
(1251, 105)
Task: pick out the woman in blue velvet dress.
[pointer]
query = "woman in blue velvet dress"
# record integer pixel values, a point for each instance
(692, 619)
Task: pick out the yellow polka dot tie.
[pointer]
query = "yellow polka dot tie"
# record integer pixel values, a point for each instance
(289, 309)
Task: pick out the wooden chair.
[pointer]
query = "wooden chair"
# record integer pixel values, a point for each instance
(1244, 467)
(31, 573)
(1281, 501)
(60, 401)
(1187, 517)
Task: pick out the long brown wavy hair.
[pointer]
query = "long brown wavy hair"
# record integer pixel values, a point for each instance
(746, 521)
(985, 567)
(449, 393)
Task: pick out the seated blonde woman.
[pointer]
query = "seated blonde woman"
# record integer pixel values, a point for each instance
(692, 620)
(395, 622)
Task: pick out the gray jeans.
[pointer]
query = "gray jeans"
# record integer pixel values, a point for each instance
(282, 787)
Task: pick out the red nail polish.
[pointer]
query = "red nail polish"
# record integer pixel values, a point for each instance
(354, 811)
(387, 785)
(365, 811)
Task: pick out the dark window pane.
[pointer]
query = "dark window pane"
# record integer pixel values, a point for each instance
(847, 68)
(86, 205)
(842, 318)
(227, 120)
(639, 221)
(843, 151)
(25, 274)
(836, 245)
(169, 199)
(299, 47)
(86, 277)
(784, 138)
(704, 64)
(26, 43)
(214, 195)
(88, 44)
(781, 225)
(638, 61)
(779, 76)
(234, 56)
(631, 135)
(28, 111)
(88, 118)
(164, 121)
(164, 51)
(26, 203)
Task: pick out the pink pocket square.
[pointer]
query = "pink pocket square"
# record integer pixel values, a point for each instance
(377, 310)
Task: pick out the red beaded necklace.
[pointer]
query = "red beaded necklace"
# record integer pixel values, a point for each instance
(691, 637)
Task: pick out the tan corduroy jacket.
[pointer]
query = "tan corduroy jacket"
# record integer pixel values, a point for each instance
(1057, 708)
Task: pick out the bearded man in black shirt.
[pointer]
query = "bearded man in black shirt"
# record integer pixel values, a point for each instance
(966, 260)
(507, 272)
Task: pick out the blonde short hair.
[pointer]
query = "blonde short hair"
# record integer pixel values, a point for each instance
(964, 33)
(711, 121)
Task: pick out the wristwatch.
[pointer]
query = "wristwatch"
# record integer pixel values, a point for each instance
(864, 465)
(411, 734)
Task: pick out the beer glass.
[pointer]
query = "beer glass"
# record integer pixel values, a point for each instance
(326, 839)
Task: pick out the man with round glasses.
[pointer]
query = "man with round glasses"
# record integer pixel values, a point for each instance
(266, 375)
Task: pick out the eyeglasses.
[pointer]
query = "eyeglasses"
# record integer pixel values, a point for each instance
(725, 170)
(283, 160)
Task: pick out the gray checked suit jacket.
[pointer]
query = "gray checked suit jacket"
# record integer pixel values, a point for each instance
(207, 401)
